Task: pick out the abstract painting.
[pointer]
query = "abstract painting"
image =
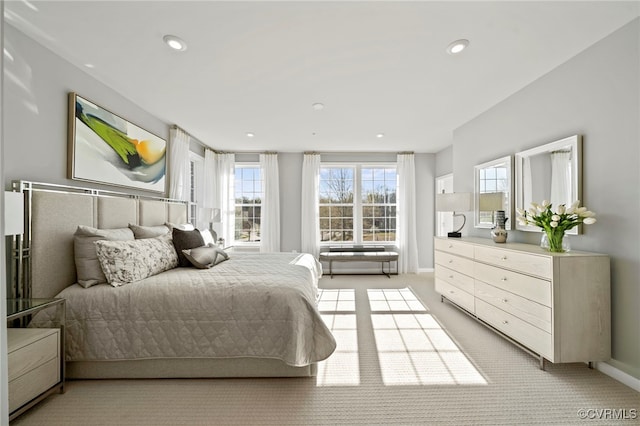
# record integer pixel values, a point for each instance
(105, 148)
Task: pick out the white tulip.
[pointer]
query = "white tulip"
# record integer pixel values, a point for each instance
(589, 221)
(555, 218)
(553, 224)
(581, 210)
(536, 206)
(561, 209)
(575, 204)
(545, 203)
(522, 222)
(570, 210)
(533, 213)
(520, 211)
(588, 214)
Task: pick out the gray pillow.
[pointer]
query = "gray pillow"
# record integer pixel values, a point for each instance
(88, 268)
(205, 257)
(141, 232)
(184, 240)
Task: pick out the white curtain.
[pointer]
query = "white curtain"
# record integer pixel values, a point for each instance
(527, 184)
(560, 179)
(209, 177)
(224, 169)
(179, 164)
(270, 211)
(406, 215)
(310, 231)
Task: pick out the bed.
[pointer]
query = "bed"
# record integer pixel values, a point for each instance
(253, 315)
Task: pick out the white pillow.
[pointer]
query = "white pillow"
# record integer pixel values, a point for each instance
(125, 262)
(207, 237)
(205, 257)
(180, 226)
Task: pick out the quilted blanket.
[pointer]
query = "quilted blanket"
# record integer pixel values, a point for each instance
(259, 305)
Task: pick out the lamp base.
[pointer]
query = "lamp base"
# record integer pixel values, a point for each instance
(454, 235)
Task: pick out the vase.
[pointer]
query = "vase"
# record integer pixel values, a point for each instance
(498, 232)
(555, 241)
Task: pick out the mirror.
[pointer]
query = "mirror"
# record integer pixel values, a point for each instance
(549, 172)
(492, 192)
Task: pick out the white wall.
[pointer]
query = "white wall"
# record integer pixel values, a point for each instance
(595, 94)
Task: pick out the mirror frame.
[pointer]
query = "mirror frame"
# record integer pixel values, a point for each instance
(508, 160)
(575, 142)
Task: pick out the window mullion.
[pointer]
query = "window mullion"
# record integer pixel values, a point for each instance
(357, 206)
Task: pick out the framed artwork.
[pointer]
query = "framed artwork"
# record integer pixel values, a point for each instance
(105, 148)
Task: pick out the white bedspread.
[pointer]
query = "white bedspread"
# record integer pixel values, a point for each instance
(253, 305)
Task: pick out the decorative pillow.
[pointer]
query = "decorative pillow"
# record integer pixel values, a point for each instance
(140, 231)
(182, 226)
(185, 240)
(88, 268)
(207, 237)
(125, 262)
(205, 257)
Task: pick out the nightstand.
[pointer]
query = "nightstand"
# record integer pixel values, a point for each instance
(36, 355)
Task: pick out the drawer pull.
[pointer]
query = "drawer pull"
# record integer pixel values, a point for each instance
(503, 279)
(450, 245)
(503, 258)
(450, 260)
(504, 300)
(505, 322)
(450, 277)
(451, 291)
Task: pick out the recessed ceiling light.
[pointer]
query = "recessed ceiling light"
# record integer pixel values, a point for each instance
(457, 46)
(175, 43)
(380, 135)
(250, 135)
(318, 106)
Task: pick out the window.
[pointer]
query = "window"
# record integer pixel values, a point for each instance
(248, 202)
(196, 183)
(358, 203)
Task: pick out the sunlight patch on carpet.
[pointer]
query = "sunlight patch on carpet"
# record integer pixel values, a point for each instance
(338, 310)
(413, 349)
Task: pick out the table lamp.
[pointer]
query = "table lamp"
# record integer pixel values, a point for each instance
(454, 202)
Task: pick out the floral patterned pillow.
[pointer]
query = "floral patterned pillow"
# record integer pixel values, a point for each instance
(125, 262)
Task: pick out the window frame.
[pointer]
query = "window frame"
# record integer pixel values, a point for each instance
(358, 204)
(246, 164)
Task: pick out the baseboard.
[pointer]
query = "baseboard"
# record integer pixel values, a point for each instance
(619, 375)
(425, 270)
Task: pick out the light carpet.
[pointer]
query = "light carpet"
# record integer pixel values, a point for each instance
(403, 357)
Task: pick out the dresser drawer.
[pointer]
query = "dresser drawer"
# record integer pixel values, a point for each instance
(456, 295)
(462, 281)
(26, 387)
(517, 261)
(457, 263)
(531, 312)
(454, 246)
(30, 348)
(529, 287)
(521, 331)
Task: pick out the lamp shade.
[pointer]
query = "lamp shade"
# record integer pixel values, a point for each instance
(13, 213)
(491, 201)
(454, 202)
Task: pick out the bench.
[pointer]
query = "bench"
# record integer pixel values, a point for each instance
(360, 254)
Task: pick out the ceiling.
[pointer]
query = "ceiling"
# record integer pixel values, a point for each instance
(378, 67)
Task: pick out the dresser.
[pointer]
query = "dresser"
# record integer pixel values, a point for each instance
(554, 305)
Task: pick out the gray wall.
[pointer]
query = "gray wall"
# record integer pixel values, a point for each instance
(595, 94)
(35, 111)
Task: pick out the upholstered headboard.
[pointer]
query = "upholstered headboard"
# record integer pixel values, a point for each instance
(54, 212)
